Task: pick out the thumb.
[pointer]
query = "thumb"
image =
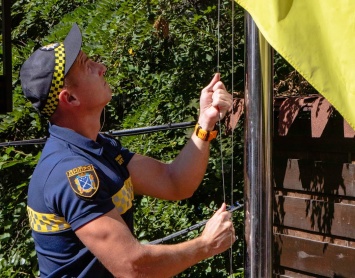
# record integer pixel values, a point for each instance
(214, 80)
(222, 208)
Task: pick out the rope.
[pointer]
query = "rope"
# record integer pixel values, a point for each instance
(232, 134)
(218, 32)
(219, 120)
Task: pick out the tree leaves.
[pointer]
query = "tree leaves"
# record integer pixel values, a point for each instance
(159, 55)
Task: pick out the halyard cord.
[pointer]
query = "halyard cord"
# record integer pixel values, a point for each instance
(219, 120)
(191, 228)
(232, 143)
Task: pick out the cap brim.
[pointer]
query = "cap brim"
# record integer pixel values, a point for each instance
(72, 45)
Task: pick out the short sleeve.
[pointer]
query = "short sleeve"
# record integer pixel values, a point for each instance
(75, 191)
(114, 147)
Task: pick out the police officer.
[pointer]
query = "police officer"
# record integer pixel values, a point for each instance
(81, 192)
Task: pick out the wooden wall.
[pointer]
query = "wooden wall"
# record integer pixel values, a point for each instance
(314, 183)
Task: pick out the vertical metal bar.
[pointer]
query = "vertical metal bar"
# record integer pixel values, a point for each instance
(6, 78)
(258, 152)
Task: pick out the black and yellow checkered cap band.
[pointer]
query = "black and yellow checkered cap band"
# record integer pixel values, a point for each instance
(46, 222)
(57, 81)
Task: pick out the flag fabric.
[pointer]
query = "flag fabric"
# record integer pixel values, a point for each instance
(317, 37)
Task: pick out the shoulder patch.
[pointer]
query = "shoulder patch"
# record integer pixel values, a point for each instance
(83, 180)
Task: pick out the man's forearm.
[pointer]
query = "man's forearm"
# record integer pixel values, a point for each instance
(169, 260)
(189, 167)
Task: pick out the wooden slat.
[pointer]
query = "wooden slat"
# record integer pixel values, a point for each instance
(337, 179)
(306, 143)
(313, 257)
(314, 206)
(282, 272)
(315, 155)
(327, 218)
(314, 236)
(332, 127)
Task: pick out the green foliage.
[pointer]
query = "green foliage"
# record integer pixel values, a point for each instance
(17, 258)
(156, 74)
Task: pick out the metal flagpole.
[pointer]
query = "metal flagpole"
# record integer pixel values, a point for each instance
(258, 152)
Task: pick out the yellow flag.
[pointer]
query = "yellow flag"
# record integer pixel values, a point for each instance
(317, 37)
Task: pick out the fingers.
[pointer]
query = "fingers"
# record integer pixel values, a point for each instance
(223, 213)
(222, 208)
(219, 230)
(215, 102)
(230, 233)
(222, 101)
(221, 98)
(215, 79)
(219, 85)
(226, 224)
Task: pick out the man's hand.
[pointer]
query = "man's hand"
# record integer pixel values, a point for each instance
(215, 101)
(108, 237)
(219, 233)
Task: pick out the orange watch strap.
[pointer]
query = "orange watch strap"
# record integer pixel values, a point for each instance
(205, 135)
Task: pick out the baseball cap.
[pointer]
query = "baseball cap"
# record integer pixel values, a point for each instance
(42, 74)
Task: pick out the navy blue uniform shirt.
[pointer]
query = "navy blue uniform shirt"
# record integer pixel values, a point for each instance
(76, 180)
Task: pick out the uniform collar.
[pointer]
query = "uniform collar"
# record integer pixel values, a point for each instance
(75, 139)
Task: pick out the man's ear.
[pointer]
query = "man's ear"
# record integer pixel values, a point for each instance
(67, 98)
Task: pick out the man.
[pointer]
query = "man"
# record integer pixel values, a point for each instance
(80, 195)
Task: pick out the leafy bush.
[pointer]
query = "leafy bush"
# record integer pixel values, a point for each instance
(159, 55)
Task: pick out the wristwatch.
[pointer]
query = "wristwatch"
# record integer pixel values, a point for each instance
(205, 135)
